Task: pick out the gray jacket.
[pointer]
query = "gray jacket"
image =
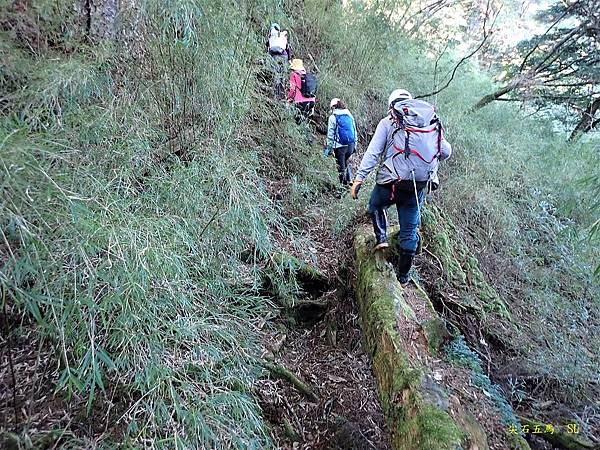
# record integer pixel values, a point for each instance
(332, 136)
(380, 152)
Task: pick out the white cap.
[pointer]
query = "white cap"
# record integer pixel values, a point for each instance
(333, 102)
(399, 94)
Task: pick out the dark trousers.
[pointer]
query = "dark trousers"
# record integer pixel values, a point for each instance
(305, 110)
(403, 196)
(278, 66)
(342, 157)
(283, 54)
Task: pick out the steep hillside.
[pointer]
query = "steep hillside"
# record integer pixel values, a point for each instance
(176, 256)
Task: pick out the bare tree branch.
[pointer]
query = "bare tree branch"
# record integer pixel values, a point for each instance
(536, 46)
(486, 35)
(554, 52)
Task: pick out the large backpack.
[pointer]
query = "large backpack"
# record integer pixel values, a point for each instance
(308, 86)
(417, 141)
(277, 41)
(344, 128)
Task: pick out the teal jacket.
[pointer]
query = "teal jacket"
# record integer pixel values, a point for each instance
(332, 136)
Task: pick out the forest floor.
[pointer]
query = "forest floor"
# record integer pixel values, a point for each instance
(324, 348)
(30, 404)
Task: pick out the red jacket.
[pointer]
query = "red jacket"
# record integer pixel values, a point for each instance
(295, 92)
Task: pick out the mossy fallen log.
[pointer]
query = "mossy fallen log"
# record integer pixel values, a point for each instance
(415, 406)
(435, 330)
(560, 436)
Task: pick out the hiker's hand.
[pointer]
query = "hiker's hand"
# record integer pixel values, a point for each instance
(355, 188)
(326, 151)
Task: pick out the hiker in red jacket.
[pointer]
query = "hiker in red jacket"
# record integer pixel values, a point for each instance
(305, 104)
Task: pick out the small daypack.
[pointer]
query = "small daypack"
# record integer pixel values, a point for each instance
(417, 141)
(277, 41)
(344, 129)
(308, 86)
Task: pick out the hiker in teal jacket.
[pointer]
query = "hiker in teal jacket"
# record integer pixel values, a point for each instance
(341, 138)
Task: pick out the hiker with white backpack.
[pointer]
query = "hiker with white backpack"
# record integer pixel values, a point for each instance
(277, 42)
(408, 145)
(341, 138)
(279, 49)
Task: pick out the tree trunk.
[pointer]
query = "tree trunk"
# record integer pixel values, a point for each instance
(587, 122)
(514, 83)
(101, 15)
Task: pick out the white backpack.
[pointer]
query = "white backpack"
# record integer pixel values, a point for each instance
(277, 41)
(417, 141)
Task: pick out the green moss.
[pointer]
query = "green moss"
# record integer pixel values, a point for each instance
(435, 329)
(517, 442)
(460, 266)
(435, 429)
(406, 398)
(441, 246)
(436, 333)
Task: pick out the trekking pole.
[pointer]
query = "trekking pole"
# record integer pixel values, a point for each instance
(314, 63)
(416, 194)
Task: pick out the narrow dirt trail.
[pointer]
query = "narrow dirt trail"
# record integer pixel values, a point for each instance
(326, 351)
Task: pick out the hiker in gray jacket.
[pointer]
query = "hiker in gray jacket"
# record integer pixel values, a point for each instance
(341, 138)
(406, 147)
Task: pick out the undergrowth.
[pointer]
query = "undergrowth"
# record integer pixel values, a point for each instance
(129, 198)
(139, 203)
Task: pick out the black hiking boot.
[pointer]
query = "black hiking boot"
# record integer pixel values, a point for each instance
(380, 228)
(404, 265)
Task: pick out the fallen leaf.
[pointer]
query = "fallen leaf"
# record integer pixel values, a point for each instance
(336, 379)
(276, 346)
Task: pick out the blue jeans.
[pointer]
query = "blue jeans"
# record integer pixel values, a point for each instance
(403, 196)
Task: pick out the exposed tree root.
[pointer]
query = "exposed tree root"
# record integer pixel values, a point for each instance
(281, 372)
